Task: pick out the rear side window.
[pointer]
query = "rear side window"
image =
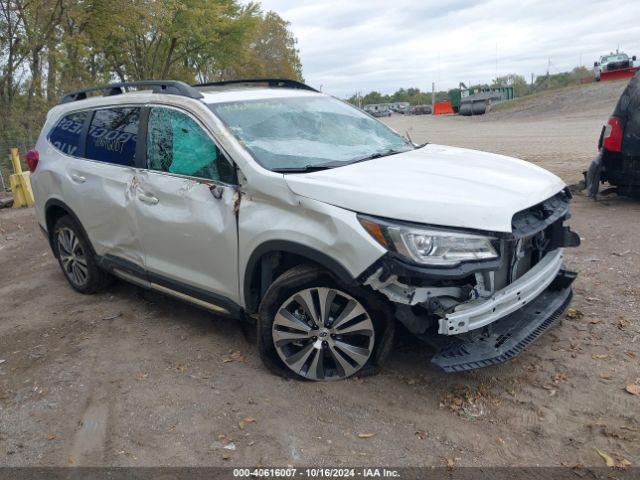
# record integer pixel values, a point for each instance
(65, 136)
(177, 144)
(113, 134)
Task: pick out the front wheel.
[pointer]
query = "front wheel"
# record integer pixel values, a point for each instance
(312, 327)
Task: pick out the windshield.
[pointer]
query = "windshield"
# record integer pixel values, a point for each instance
(614, 58)
(303, 132)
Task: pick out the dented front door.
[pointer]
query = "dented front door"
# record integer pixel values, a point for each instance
(185, 211)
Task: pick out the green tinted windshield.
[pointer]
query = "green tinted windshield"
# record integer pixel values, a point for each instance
(306, 131)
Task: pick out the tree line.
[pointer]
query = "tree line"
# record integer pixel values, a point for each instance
(520, 87)
(48, 47)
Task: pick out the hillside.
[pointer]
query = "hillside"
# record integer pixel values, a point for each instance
(593, 99)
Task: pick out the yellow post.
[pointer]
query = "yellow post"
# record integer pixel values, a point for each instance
(15, 160)
(20, 184)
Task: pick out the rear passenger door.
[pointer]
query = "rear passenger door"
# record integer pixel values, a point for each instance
(101, 180)
(185, 204)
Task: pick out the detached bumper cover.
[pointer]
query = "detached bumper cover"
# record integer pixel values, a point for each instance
(510, 335)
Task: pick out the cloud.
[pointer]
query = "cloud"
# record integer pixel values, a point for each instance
(383, 45)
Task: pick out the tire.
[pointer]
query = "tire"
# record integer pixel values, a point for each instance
(354, 341)
(76, 258)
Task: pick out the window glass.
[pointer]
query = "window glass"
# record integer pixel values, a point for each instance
(113, 134)
(177, 144)
(65, 136)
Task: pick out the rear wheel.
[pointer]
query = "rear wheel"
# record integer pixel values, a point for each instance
(312, 327)
(76, 259)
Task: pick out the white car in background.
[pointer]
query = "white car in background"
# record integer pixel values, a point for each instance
(275, 204)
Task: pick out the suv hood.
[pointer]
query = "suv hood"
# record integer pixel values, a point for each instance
(434, 185)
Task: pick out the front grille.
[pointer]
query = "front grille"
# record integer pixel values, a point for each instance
(537, 231)
(532, 237)
(617, 65)
(532, 220)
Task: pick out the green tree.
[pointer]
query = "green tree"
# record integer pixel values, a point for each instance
(518, 82)
(181, 39)
(48, 47)
(412, 95)
(270, 52)
(373, 97)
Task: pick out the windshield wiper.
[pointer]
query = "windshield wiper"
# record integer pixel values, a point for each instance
(373, 156)
(304, 169)
(326, 166)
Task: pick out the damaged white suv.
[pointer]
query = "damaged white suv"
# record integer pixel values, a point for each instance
(268, 201)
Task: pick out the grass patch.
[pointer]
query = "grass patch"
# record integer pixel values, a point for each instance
(519, 101)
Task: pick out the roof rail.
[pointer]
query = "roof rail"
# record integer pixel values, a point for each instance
(173, 87)
(270, 82)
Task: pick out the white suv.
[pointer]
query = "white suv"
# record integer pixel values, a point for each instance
(273, 203)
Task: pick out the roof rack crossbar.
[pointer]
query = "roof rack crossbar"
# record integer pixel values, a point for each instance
(172, 87)
(271, 82)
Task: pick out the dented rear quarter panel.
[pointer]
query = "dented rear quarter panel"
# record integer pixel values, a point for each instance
(46, 182)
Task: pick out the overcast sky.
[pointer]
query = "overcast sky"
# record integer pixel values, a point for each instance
(350, 45)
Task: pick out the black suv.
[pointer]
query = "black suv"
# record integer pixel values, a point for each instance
(618, 160)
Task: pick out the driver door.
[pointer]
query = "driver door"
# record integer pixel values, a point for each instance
(185, 207)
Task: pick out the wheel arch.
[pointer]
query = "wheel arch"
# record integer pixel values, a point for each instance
(55, 209)
(272, 258)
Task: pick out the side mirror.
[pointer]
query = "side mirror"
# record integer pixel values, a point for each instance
(633, 58)
(596, 64)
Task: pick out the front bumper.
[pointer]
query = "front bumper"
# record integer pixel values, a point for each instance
(509, 336)
(478, 313)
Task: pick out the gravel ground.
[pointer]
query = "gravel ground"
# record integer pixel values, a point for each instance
(129, 377)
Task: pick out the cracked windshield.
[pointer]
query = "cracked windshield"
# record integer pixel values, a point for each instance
(307, 132)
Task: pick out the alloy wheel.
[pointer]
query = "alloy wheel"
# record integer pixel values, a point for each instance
(72, 257)
(323, 334)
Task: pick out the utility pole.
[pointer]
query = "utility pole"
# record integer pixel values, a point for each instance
(496, 60)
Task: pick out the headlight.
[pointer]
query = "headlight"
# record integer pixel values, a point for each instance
(430, 246)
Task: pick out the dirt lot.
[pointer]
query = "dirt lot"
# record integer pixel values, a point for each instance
(129, 377)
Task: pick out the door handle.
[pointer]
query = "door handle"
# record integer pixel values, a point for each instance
(78, 178)
(148, 199)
